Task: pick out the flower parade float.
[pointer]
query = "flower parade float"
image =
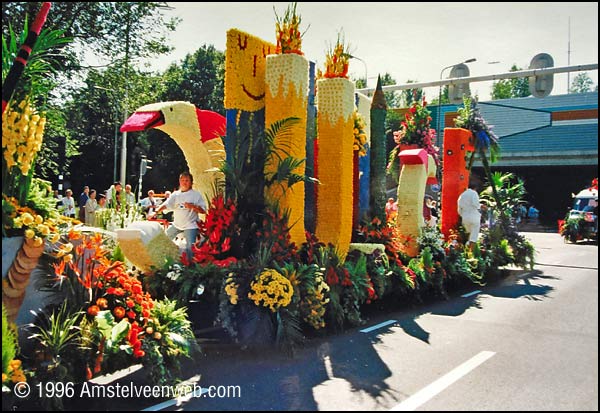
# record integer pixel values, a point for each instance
(272, 284)
(268, 280)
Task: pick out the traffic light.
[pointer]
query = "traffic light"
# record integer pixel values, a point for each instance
(144, 166)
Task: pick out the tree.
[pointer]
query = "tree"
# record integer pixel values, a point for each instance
(581, 83)
(106, 29)
(511, 88)
(411, 95)
(119, 32)
(445, 97)
(199, 79)
(93, 113)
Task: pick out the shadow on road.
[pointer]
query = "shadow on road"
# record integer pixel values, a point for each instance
(517, 284)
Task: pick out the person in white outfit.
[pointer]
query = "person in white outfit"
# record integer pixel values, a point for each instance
(186, 203)
(468, 209)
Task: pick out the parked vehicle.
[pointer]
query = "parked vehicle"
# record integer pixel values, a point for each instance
(581, 221)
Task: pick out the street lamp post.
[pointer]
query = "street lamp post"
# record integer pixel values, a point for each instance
(123, 171)
(439, 114)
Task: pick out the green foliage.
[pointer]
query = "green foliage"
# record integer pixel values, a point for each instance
(10, 344)
(105, 28)
(198, 79)
(251, 148)
(57, 333)
(185, 283)
(39, 75)
(511, 88)
(169, 340)
(510, 191)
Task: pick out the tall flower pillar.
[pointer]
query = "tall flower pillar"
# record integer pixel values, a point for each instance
(378, 154)
(335, 126)
(411, 193)
(245, 65)
(285, 96)
(455, 178)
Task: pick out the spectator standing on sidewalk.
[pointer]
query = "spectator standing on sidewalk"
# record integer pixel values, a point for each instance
(83, 198)
(68, 204)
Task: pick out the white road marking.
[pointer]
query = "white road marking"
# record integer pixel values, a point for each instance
(376, 326)
(328, 367)
(471, 293)
(181, 399)
(427, 393)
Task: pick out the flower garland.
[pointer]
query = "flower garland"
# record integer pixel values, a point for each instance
(271, 290)
(287, 82)
(335, 127)
(245, 64)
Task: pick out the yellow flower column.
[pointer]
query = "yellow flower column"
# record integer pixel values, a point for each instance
(411, 193)
(335, 127)
(286, 96)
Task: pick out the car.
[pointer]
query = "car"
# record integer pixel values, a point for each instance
(585, 208)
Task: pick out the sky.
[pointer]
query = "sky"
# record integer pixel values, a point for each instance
(410, 41)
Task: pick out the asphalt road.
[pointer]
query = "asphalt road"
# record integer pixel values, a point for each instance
(528, 342)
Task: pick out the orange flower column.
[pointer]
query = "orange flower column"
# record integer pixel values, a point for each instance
(286, 96)
(335, 126)
(411, 193)
(455, 178)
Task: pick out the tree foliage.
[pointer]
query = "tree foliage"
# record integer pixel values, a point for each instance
(581, 83)
(511, 88)
(107, 29)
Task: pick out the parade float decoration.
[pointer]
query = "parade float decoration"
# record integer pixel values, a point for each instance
(197, 132)
(417, 166)
(335, 125)
(146, 245)
(286, 84)
(378, 154)
(457, 144)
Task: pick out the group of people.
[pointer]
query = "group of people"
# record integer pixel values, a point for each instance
(430, 212)
(183, 207)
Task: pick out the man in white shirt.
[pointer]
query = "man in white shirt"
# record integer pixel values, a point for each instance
(468, 209)
(186, 203)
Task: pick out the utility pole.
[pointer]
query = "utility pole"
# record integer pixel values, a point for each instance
(143, 169)
(569, 58)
